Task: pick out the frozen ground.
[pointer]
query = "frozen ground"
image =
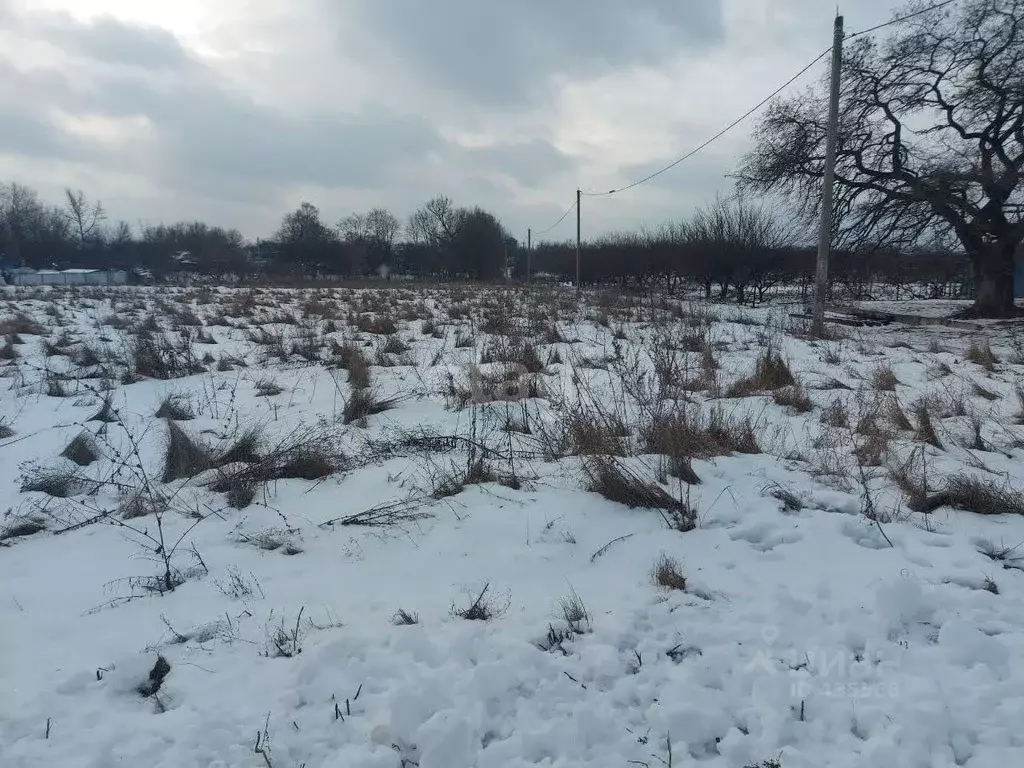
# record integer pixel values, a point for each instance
(838, 584)
(937, 308)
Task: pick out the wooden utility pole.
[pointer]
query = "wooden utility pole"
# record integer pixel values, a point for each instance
(578, 195)
(529, 251)
(825, 231)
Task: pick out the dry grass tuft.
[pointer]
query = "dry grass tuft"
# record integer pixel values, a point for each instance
(404, 618)
(184, 457)
(58, 483)
(668, 573)
(82, 450)
(351, 358)
(985, 394)
(835, 415)
(771, 372)
(176, 408)
(616, 482)
(141, 503)
(896, 416)
(363, 403)
(965, 492)
(378, 324)
(883, 379)
(482, 607)
(980, 353)
(22, 525)
(794, 397)
(589, 432)
(925, 431)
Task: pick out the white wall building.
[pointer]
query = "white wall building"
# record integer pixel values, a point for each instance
(25, 276)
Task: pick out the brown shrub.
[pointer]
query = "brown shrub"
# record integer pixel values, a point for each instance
(668, 573)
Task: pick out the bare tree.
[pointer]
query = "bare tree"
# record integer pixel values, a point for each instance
(931, 140)
(86, 219)
(435, 224)
(383, 227)
(354, 228)
(737, 243)
(121, 234)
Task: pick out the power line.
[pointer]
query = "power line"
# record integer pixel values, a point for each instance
(718, 135)
(749, 112)
(909, 16)
(775, 93)
(560, 220)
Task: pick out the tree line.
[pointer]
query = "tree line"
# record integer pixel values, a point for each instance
(729, 249)
(439, 240)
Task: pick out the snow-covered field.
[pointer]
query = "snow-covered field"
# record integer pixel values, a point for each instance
(453, 528)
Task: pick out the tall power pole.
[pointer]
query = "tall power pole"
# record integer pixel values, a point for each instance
(529, 251)
(825, 231)
(578, 195)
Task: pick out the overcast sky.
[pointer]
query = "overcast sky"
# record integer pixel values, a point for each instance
(234, 111)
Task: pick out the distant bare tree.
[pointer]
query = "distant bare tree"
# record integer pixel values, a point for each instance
(121, 233)
(931, 140)
(86, 219)
(737, 243)
(383, 227)
(435, 223)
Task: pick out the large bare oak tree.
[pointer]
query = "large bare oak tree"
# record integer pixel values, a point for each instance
(931, 140)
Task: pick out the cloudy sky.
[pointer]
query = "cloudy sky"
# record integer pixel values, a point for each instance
(234, 111)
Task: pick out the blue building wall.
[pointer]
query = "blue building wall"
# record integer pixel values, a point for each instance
(1018, 278)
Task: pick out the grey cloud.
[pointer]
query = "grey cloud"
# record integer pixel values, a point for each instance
(110, 41)
(209, 138)
(529, 162)
(502, 53)
(25, 127)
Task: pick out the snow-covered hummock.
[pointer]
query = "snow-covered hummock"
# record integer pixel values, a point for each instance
(802, 637)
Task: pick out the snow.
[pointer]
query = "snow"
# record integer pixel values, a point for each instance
(814, 636)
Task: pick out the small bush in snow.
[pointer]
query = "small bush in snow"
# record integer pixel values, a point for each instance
(184, 457)
(980, 353)
(616, 482)
(575, 613)
(142, 503)
(21, 525)
(403, 618)
(794, 397)
(835, 415)
(363, 403)
(284, 640)
(668, 573)
(176, 407)
(1007, 556)
(925, 431)
(482, 607)
(771, 372)
(883, 379)
(267, 386)
(59, 483)
(81, 450)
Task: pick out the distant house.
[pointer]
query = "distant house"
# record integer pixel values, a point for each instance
(26, 276)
